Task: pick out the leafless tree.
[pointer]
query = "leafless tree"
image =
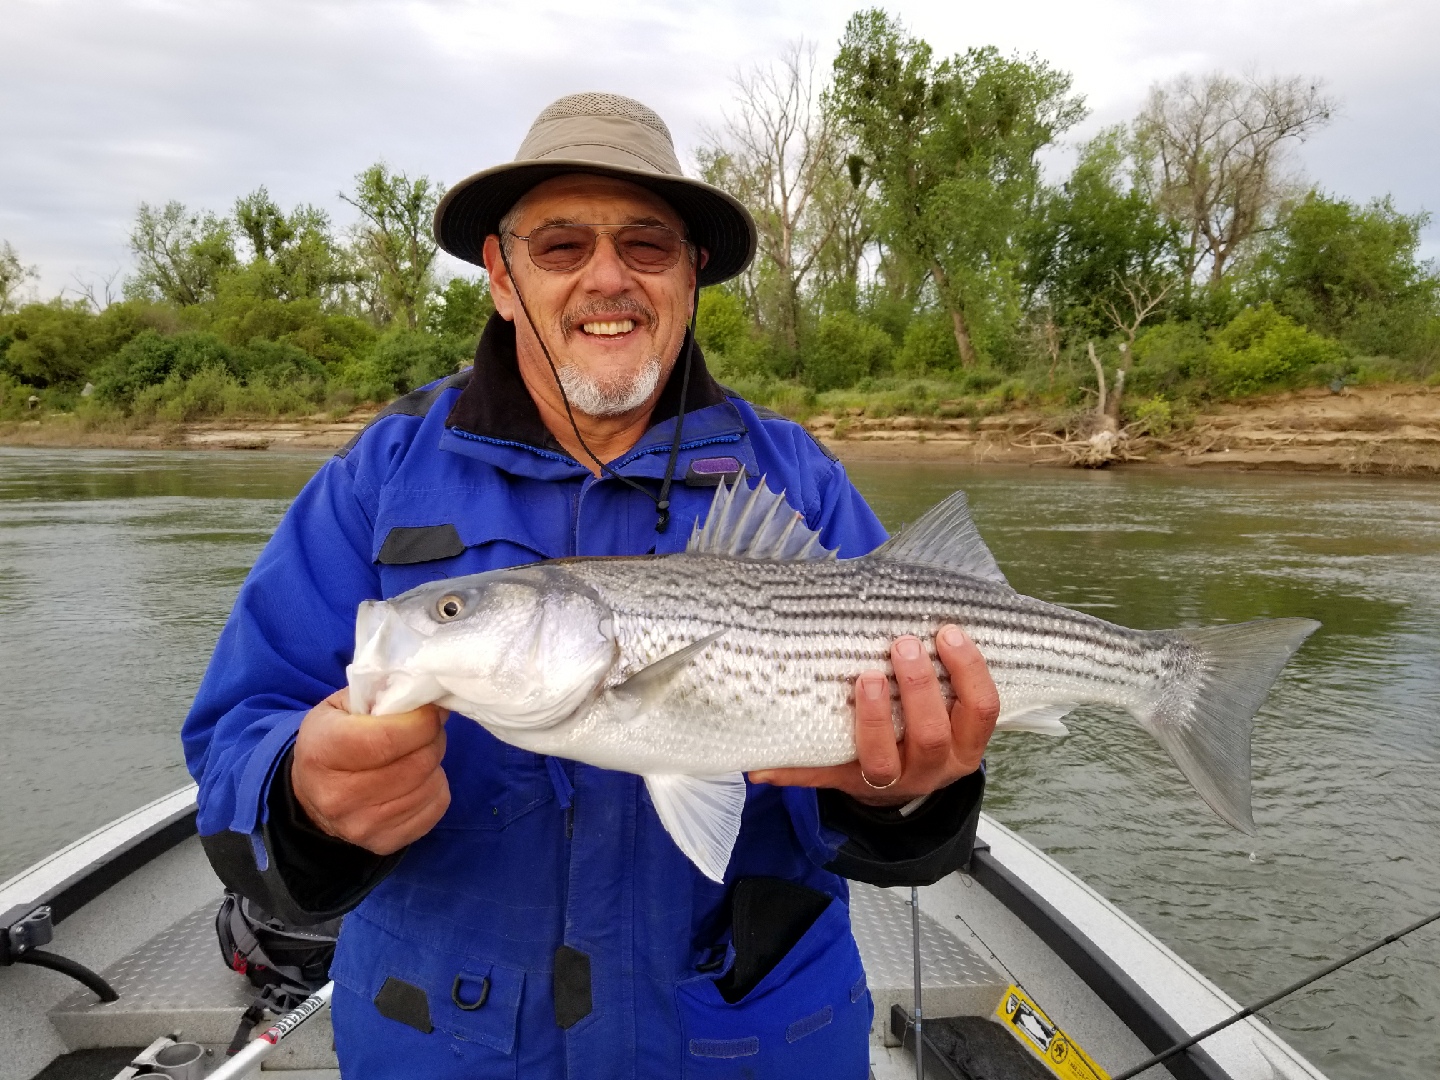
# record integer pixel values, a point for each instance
(778, 153)
(99, 292)
(1214, 150)
(1142, 296)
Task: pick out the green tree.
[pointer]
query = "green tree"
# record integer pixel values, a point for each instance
(393, 241)
(461, 309)
(1091, 236)
(180, 256)
(295, 256)
(951, 147)
(13, 275)
(1339, 268)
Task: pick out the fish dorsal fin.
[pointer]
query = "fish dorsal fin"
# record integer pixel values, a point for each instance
(755, 523)
(944, 537)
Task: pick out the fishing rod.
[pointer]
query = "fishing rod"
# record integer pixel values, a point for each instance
(1250, 1010)
(919, 985)
(257, 1050)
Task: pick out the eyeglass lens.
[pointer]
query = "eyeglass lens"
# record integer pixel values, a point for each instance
(647, 249)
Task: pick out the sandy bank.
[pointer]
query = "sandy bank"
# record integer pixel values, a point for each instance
(1383, 430)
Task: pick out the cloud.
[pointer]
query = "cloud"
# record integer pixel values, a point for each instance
(108, 103)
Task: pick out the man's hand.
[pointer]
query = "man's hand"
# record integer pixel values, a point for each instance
(938, 748)
(375, 781)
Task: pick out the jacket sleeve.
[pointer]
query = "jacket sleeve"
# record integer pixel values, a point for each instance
(880, 847)
(283, 650)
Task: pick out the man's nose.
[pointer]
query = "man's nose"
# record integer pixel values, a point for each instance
(606, 272)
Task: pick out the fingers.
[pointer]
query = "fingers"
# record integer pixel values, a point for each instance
(927, 721)
(939, 746)
(375, 781)
(875, 745)
(348, 742)
(977, 705)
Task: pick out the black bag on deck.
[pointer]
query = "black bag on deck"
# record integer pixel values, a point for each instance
(285, 963)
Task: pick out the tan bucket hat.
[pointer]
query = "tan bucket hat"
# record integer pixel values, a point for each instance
(613, 136)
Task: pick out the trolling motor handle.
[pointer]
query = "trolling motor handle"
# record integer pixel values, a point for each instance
(30, 931)
(20, 944)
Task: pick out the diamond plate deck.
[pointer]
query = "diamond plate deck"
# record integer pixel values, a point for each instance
(957, 981)
(177, 981)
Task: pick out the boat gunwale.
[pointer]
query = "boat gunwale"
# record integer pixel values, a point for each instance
(78, 873)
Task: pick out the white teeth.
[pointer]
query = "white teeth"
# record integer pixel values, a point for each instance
(609, 329)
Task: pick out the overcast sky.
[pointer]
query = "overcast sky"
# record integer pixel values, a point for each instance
(108, 103)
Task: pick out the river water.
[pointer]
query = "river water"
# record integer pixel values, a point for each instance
(117, 570)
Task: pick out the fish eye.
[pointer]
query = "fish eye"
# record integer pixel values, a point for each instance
(449, 607)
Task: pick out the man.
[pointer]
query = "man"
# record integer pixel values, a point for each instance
(518, 915)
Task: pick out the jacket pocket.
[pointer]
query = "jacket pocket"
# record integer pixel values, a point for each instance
(491, 783)
(807, 1019)
(467, 1005)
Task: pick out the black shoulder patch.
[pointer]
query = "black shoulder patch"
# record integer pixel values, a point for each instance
(766, 413)
(405, 545)
(415, 403)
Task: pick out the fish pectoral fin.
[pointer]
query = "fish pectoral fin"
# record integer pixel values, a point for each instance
(648, 686)
(1040, 719)
(702, 816)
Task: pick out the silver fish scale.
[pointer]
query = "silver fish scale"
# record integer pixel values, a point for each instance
(777, 687)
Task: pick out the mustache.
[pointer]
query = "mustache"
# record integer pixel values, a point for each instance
(608, 310)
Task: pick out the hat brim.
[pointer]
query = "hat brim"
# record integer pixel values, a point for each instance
(718, 222)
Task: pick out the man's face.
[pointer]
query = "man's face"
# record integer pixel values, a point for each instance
(613, 332)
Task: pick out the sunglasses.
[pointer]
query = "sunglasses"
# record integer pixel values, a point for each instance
(646, 249)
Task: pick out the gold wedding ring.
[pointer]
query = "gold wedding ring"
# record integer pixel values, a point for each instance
(878, 787)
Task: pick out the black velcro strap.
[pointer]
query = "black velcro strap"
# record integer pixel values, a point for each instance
(248, 1020)
(770, 916)
(405, 545)
(399, 1000)
(572, 986)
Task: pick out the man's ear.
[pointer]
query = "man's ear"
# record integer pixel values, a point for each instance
(702, 260)
(502, 290)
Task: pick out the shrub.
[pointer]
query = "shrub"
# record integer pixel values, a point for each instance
(843, 350)
(1169, 359)
(929, 346)
(1262, 348)
(1153, 415)
(404, 359)
(723, 330)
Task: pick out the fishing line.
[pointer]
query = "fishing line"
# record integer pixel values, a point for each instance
(661, 501)
(1250, 1010)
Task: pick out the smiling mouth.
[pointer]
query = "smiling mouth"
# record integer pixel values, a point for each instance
(609, 329)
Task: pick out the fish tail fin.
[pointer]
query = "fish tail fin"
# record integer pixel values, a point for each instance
(1206, 710)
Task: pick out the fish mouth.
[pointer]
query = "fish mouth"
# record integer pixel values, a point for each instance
(380, 680)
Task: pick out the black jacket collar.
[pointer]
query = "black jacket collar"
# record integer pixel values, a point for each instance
(496, 405)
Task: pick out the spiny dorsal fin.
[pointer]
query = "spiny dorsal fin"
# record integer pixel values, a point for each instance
(755, 523)
(945, 537)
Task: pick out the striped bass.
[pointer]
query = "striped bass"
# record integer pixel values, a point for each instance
(741, 653)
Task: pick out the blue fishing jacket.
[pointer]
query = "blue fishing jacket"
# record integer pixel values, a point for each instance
(547, 926)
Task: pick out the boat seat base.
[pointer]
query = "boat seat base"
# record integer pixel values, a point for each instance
(957, 980)
(178, 982)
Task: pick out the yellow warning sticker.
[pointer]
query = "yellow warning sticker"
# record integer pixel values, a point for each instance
(1032, 1027)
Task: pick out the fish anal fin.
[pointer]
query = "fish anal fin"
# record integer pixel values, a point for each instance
(1039, 719)
(702, 815)
(945, 537)
(761, 525)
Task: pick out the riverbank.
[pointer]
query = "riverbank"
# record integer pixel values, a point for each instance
(1386, 430)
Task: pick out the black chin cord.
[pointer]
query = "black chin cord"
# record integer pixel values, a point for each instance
(661, 501)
